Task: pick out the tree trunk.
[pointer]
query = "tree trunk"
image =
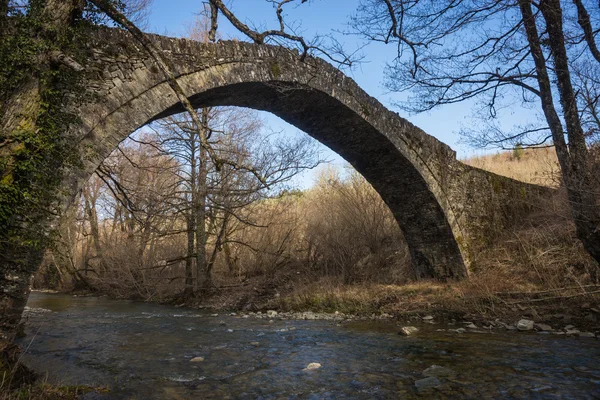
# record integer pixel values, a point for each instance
(201, 234)
(572, 156)
(19, 259)
(583, 195)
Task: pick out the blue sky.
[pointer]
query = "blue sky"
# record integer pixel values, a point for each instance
(174, 17)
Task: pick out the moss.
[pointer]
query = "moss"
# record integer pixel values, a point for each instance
(497, 183)
(365, 110)
(275, 70)
(39, 144)
(523, 193)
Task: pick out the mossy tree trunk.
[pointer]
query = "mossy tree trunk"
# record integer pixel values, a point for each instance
(32, 147)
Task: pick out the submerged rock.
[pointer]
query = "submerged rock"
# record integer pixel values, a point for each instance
(525, 325)
(312, 366)
(438, 371)
(427, 383)
(408, 330)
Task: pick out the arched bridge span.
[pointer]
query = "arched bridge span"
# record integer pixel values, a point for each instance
(443, 206)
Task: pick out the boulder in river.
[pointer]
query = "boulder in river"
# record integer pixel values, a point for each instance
(408, 330)
(312, 366)
(525, 325)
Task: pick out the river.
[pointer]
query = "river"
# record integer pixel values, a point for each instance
(143, 351)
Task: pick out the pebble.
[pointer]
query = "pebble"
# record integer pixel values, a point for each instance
(312, 366)
(461, 330)
(525, 325)
(427, 318)
(543, 327)
(197, 359)
(586, 334)
(408, 330)
(471, 325)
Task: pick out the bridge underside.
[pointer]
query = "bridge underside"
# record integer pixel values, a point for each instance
(426, 229)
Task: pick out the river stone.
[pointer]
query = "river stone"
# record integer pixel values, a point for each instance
(471, 325)
(573, 332)
(427, 383)
(312, 366)
(427, 318)
(197, 359)
(408, 330)
(272, 313)
(254, 343)
(586, 334)
(543, 327)
(309, 315)
(525, 325)
(461, 330)
(438, 371)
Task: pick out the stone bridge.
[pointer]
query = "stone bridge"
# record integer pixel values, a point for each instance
(446, 209)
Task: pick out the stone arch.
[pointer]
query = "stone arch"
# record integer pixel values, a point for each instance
(409, 169)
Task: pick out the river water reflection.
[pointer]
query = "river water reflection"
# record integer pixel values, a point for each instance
(143, 351)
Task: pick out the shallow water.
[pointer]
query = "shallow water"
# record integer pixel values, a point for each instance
(143, 351)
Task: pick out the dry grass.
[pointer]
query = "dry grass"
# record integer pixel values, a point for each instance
(539, 166)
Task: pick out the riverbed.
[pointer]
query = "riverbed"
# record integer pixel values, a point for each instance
(149, 351)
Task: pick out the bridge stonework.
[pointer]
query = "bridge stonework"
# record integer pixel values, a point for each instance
(446, 209)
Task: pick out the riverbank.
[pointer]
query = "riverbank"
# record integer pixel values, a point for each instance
(570, 311)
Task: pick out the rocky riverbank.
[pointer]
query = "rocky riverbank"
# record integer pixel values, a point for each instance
(459, 326)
